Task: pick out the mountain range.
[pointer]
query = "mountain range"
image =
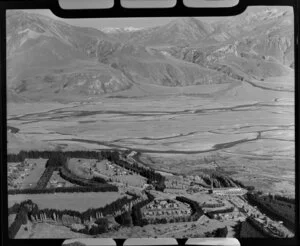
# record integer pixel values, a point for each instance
(48, 59)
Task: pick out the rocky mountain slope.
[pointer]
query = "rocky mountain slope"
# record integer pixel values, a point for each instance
(49, 59)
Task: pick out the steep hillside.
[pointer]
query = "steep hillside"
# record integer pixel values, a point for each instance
(257, 45)
(48, 58)
(24, 29)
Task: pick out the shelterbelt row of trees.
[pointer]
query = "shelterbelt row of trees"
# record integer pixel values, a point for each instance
(137, 218)
(219, 232)
(197, 211)
(35, 154)
(220, 211)
(57, 160)
(27, 210)
(66, 174)
(134, 217)
(21, 210)
(75, 189)
(154, 178)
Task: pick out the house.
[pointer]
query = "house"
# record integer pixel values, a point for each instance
(163, 203)
(61, 184)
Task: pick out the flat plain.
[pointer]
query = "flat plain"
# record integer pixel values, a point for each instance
(78, 202)
(240, 129)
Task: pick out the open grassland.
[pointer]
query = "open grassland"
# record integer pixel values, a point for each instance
(81, 167)
(242, 129)
(38, 167)
(11, 219)
(131, 180)
(57, 179)
(44, 230)
(118, 174)
(175, 230)
(79, 201)
(26, 175)
(178, 230)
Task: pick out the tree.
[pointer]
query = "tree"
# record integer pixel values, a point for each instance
(124, 219)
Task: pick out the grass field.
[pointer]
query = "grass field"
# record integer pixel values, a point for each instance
(56, 178)
(27, 174)
(131, 180)
(81, 167)
(11, 219)
(44, 230)
(74, 201)
(127, 179)
(34, 174)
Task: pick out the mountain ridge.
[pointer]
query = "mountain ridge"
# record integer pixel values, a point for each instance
(183, 52)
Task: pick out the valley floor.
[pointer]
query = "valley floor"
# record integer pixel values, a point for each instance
(240, 129)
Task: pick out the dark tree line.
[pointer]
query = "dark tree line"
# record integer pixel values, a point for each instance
(35, 154)
(214, 205)
(45, 177)
(285, 199)
(124, 219)
(28, 209)
(220, 232)
(21, 219)
(94, 182)
(75, 189)
(154, 178)
(22, 211)
(221, 211)
(166, 220)
(92, 212)
(13, 129)
(240, 184)
(101, 227)
(14, 209)
(251, 198)
(258, 228)
(98, 180)
(137, 218)
(197, 210)
(55, 162)
(58, 159)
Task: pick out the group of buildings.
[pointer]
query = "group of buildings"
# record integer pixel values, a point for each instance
(16, 173)
(166, 207)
